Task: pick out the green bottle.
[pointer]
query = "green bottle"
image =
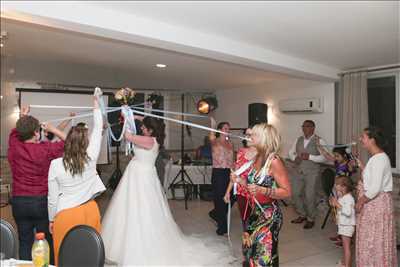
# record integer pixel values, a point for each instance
(40, 251)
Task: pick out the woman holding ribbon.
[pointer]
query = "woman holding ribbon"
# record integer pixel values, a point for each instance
(74, 183)
(244, 157)
(267, 181)
(223, 159)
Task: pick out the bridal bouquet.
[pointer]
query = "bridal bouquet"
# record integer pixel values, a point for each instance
(125, 96)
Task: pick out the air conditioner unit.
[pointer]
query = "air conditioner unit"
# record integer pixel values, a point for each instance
(302, 105)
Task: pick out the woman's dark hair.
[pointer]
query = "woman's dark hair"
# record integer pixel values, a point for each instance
(26, 127)
(220, 126)
(377, 134)
(157, 127)
(346, 182)
(244, 141)
(341, 151)
(76, 143)
(50, 136)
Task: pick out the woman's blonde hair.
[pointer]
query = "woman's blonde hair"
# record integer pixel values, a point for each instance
(270, 140)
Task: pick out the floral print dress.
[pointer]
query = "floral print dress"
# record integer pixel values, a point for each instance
(263, 228)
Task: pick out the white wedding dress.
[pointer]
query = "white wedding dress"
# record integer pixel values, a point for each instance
(138, 228)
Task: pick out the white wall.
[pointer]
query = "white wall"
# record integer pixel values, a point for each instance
(173, 130)
(233, 107)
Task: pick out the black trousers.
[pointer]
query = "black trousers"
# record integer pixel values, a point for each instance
(220, 181)
(31, 215)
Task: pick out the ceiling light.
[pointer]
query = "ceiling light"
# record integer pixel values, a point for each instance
(161, 65)
(1, 45)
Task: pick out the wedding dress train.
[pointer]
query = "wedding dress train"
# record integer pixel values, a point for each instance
(138, 228)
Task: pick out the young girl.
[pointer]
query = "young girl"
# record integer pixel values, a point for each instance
(344, 166)
(345, 217)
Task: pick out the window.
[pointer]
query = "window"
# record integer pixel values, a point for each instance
(384, 109)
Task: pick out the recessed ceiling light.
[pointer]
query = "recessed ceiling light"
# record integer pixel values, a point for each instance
(161, 65)
(1, 44)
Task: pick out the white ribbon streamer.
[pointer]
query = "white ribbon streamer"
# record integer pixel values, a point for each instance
(243, 167)
(59, 107)
(229, 223)
(189, 124)
(173, 112)
(238, 172)
(131, 126)
(80, 116)
(109, 109)
(71, 107)
(344, 145)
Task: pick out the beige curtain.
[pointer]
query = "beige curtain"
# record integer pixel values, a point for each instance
(352, 109)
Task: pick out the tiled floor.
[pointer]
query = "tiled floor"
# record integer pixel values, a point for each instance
(297, 247)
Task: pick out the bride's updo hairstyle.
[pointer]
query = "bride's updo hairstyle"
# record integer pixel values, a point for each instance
(158, 128)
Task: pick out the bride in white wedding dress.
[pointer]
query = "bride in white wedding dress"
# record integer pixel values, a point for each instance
(138, 228)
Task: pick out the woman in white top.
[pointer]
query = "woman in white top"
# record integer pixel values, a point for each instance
(74, 182)
(375, 237)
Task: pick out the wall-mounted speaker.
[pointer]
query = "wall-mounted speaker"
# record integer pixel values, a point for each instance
(257, 113)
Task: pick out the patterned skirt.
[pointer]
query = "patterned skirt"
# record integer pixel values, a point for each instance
(376, 236)
(263, 230)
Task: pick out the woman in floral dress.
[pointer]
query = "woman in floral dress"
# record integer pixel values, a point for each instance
(266, 182)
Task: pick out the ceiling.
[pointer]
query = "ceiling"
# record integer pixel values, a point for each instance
(341, 35)
(37, 43)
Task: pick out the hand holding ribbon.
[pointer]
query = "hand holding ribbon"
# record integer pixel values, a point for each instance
(127, 113)
(98, 94)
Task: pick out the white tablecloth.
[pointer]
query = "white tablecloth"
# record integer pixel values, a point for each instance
(198, 175)
(15, 263)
